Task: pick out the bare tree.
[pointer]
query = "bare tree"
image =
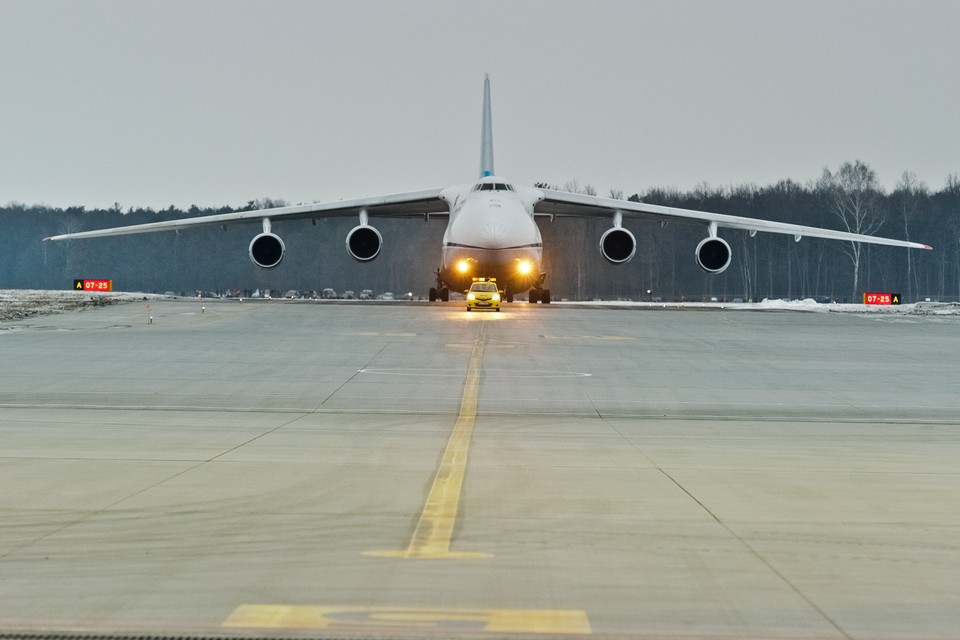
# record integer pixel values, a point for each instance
(952, 189)
(269, 203)
(574, 186)
(909, 194)
(853, 195)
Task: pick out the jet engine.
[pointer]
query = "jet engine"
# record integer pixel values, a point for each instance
(364, 242)
(713, 254)
(266, 250)
(618, 245)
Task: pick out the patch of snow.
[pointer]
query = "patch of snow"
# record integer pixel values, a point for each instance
(16, 304)
(807, 305)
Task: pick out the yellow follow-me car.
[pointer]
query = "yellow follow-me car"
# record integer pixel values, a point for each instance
(483, 294)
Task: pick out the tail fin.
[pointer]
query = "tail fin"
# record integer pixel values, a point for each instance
(486, 137)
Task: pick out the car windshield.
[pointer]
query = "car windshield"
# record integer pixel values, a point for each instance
(483, 286)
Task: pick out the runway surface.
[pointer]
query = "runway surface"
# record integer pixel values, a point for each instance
(411, 470)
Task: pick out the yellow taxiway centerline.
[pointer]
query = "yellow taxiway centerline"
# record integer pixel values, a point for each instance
(431, 539)
(434, 532)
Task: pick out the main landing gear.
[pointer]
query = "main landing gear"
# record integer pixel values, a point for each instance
(441, 291)
(442, 294)
(539, 295)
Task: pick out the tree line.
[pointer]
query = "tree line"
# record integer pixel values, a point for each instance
(764, 266)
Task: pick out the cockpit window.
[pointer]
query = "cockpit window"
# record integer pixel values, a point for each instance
(493, 186)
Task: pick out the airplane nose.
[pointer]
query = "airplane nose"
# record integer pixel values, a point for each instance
(491, 229)
(493, 233)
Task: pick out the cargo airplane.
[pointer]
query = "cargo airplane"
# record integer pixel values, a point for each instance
(491, 229)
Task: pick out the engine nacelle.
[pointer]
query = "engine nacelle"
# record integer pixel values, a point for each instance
(713, 255)
(266, 250)
(617, 245)
(364, 242)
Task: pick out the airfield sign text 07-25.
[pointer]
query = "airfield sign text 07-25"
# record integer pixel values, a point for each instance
(881, 298)
(93, 285)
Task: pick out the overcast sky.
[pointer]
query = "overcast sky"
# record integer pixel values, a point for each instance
(220, 102)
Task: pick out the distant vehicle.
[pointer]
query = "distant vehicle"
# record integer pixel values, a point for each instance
(292, 294)
(366, 294)
(387, 296)
(328, 294)
(349, 295)
(483, 294)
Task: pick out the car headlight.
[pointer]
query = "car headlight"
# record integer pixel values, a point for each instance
(496, 297)
(471, 297)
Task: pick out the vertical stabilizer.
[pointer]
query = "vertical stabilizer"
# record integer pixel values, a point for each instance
(486, 137)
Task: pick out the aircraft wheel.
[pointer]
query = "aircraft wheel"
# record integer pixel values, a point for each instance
(445, 294)
(545, 296)
(509, 296)
(534, 296)
(433, 294)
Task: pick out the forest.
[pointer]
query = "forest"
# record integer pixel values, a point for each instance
(212, 259)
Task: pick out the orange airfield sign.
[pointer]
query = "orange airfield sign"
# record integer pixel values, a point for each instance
(93, 285)
(881, 298)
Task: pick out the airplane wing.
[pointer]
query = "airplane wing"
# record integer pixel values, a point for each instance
(563, 204)
(397, 205)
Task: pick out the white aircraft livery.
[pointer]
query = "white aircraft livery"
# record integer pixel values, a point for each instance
(492, 229)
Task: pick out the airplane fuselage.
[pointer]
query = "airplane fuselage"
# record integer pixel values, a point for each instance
(492, 233)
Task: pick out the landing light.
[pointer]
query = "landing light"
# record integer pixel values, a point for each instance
(524, 267)
(463, 266)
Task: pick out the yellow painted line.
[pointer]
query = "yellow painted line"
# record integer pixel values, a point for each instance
(434, 532)
(361, 619)
(468, 345)
(546, 337)
(385, 335)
